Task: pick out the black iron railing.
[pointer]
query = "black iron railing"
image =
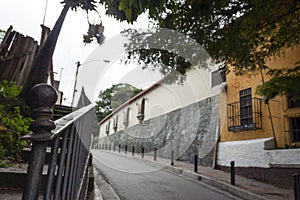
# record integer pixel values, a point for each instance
(242, 117)
(69, 144)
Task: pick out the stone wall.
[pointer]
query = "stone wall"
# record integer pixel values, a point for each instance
(187, 131)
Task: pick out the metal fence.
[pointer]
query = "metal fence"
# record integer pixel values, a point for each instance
(69, 147)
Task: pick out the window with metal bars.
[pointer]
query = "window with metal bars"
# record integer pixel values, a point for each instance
(292, 103)
(295, 128)
(246, 115)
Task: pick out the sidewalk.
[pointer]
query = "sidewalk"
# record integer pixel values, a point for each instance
(244, 188)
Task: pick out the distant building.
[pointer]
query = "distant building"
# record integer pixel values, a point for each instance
(170, 116)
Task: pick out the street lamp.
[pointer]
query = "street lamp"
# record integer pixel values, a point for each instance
(76, 75)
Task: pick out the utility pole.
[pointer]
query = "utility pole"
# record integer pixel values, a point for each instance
(78, 65)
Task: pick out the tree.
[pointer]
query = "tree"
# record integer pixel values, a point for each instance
(43, 59)
(113, 97)
(243, 34)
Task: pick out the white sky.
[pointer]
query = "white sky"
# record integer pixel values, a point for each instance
(26, 16)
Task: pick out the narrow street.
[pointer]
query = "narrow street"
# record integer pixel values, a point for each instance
(135, 179)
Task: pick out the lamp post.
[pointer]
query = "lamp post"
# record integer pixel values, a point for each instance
(78, 64)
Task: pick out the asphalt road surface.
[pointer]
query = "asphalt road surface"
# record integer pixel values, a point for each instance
(135, 179)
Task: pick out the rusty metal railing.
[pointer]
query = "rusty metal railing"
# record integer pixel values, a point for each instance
(68, 141)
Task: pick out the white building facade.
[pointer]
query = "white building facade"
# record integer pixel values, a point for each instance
(169, 116)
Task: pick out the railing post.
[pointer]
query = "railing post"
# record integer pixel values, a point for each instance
(41, 98)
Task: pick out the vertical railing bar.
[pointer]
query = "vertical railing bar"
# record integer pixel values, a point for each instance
(73, 167)
(34, 172)
(80, 166)
(61, 163)
(260, 117)
(51, 168)
(68, 165)
(78, 170)
(85, 167)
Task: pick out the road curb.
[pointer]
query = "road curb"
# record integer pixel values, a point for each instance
(173, 169)
(231, 189)
(105, 189)
(234, 190)
(191, 174)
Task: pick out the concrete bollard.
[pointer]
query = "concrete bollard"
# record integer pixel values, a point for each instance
(296, 186)
(232, 173)
(133, 151)
(172, 157)
(196, 163)
(143, 151)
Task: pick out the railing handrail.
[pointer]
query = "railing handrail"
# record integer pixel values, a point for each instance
(65, 121)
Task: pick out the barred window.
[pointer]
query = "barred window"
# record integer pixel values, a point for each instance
(246, 107)
(295, 128)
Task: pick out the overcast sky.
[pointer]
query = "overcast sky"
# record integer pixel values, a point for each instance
(27, 16)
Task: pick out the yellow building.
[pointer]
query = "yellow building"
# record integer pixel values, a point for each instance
(247, 115)
(254, 132)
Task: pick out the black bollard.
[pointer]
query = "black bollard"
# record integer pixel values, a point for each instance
(143, 151)
(109, 148)
(125, 149)
(172, 157)
(155, 152)
(296, 186)
(133, 151)
(119, 148)
(232, 173)
(196, 163)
